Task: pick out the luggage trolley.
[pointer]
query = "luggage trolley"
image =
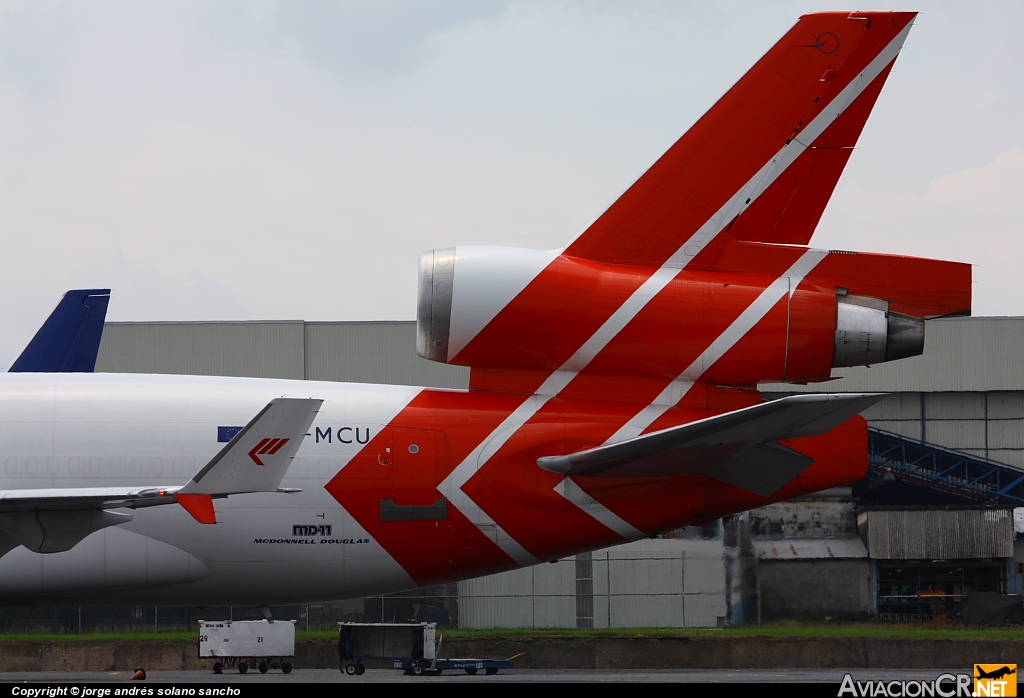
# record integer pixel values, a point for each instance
(258, 644)
(412, 647)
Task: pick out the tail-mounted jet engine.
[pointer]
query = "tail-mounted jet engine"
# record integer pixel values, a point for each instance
(868, 332)
(806, 323)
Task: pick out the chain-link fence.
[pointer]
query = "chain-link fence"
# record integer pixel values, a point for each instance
(435, 604)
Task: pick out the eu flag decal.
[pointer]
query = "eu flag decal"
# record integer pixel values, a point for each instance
(225, 434)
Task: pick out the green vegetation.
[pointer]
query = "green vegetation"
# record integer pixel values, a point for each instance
(784, 629)
(879, 629)
(99, 636)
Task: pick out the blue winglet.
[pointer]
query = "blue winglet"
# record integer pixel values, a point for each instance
(70, 338)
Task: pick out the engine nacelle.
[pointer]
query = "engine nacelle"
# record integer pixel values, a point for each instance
(506, 308)
(450, 311)
(434, 304)
(868, 332)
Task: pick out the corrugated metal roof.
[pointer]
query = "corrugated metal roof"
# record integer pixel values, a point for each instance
(810, 549)
(956, 534)
(960, 354)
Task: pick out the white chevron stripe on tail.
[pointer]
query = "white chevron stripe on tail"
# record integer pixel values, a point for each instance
(745, 196)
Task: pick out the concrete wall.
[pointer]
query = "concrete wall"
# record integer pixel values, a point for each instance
(825, 514)
(814, 589)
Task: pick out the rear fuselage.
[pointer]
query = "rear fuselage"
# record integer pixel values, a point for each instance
(373, 516)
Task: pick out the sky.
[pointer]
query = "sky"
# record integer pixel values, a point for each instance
(290, 160)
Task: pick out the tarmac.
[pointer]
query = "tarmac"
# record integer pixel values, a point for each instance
(253, 678)
(712, 653)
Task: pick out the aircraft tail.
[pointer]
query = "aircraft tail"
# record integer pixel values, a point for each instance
(69, 340)
(763, 161)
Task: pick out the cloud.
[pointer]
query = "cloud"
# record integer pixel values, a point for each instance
(973, 215)
(280, 160)
(230, 164)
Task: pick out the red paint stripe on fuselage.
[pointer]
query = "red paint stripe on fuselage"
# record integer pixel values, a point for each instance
(431, 551)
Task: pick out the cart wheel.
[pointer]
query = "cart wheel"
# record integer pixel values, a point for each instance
(243, 667)
(360, 669)
(471, 670)
(417, 670)
(350, 669)
(491, 672)
(262, 666)
(218, 668)
(286, 667)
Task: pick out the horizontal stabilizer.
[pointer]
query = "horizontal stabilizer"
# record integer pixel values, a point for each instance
(739, 448)
(69, 340)
(762, 469)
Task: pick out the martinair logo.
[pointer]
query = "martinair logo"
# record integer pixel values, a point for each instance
(266, 447)
(995, 680)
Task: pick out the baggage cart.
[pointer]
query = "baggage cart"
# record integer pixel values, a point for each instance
(245, 644)
(411, 647)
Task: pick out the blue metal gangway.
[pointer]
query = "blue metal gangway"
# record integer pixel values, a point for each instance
(945, 469)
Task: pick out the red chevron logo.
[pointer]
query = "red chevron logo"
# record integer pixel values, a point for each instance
(266, 447)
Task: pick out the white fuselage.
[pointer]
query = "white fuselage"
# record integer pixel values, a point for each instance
(92, 430)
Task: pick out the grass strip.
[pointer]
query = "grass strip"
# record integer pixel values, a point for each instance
(789, 629)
